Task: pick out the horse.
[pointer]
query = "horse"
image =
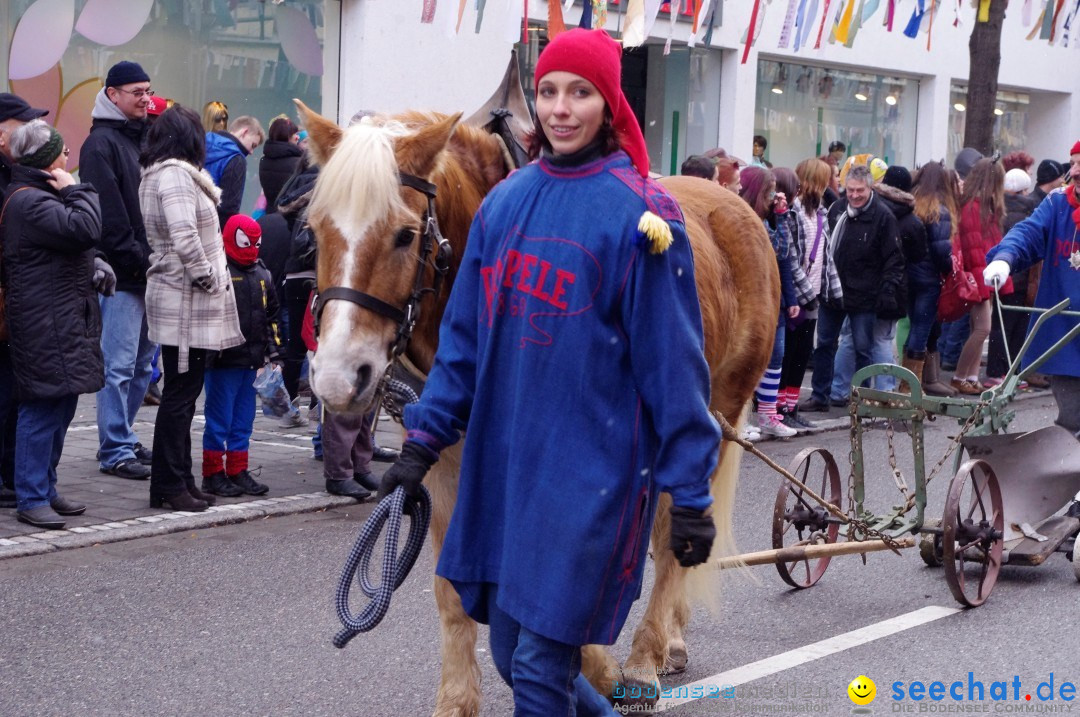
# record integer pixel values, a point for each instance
(369, 212)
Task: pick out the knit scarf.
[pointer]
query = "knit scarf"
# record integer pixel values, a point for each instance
(1074, 202)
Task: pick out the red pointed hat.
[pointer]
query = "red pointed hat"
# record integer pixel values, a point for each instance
(1076, 148)
(592, 54)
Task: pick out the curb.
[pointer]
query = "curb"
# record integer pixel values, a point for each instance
(165, 523)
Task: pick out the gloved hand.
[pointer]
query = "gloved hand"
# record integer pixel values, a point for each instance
(812, 305)
(408, 470)
(996, 273)
(204, 283)
(104, 280)
(692, 535)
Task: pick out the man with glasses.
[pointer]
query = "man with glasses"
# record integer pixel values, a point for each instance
(14, 113)
(110, 162)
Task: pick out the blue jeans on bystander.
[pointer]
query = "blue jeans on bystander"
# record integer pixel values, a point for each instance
(830, 322)
(43, 425)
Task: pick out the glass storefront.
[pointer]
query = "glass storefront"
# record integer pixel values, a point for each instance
(253, 56)
(1010, 120)
(802, 108)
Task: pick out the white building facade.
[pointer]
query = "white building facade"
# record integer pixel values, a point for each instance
(886, 94)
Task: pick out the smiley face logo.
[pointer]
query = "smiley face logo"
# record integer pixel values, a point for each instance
(862, 690)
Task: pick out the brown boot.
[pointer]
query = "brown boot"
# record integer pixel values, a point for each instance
(915, 365)
(932, 383)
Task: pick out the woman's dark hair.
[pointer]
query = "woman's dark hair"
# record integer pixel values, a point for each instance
(933, 189)
(756, 182)
(786, 182)
(538, 141)
(281, 130)
(177, 134)
(697, 165)
(986, 183)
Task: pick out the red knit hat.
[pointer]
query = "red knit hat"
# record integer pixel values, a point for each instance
(1076, 148)
(592, 54)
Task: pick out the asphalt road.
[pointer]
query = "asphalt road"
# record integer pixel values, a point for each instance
(237, 620)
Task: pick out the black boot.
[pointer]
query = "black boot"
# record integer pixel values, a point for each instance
(367, 480)
(249, 485)
(181, 501)
(347, 488)
(219, 484)
(196, 493)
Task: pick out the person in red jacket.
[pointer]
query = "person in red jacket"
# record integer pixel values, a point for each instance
(982, 209)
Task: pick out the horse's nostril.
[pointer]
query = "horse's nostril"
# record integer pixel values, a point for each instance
(363, 377)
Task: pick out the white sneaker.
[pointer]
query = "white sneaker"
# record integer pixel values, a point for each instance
(751, 433)
(773, 425)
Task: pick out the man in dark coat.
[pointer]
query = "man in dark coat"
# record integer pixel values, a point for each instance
(14, 113)
(865, 247)
(109, 161)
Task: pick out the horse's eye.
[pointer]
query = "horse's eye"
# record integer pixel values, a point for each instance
(404, 237)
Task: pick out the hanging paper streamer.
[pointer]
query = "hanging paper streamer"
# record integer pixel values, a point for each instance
(460, 15)
(805, 24)
(525, 24)
(869, 9)
(836, 22)
(427, 15)
(555, 19)
(480, 5)
(844, 27)
(696, 13)
(1025, 14)
(586, 15)
(674, 15)
(701, 28)
(1037, 27)
(1069, 24)
(1047, 28)
(856, 25)
(984, 11)
(912, 29)
(930, 25)
(712, 21)
(890, 15)
(957, 22)
(634, 34)
(789, 23)
(652, 9)
(821, 27)
(1054, 22)
(599, 12)
(750, 31)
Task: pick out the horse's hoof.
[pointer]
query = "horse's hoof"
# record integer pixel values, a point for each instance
(635, 696)
(676, 661)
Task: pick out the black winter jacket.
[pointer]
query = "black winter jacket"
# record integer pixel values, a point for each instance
(257, 309)
(938, 260)
(275, 245)
(1018, 207)
(292, 203)
(48, 269)
(278, 163)
(868, 258)
(109, 160)
(912, 236)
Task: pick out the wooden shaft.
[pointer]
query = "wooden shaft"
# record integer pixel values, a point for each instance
(810, 552)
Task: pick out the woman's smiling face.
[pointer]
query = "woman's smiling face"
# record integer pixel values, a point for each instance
(570, 110)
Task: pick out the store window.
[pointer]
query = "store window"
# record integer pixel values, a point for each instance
(254, 56)
(801, 109)
(1010, 120)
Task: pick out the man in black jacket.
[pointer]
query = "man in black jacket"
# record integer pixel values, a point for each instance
(865, 247)
(110, 162)
(14, 113)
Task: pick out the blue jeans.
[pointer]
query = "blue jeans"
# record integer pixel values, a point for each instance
(545, 675)
(830, 322)
(229, 408)
(9, 417)
(39, 441)
(922, 311)
(128, 353)
(844, 364)
(954, 335)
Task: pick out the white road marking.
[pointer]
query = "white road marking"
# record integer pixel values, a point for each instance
(809, 653)
(256, 441)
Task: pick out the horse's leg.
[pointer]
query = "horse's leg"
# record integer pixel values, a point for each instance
(653, 636)
(459, 687)
(600, 669)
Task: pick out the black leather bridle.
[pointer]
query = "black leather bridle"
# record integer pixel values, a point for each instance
(431, 242)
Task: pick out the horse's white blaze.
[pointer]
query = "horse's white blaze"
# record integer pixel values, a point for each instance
(342, 352)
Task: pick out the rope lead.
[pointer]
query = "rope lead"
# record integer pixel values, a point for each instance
(395, 568)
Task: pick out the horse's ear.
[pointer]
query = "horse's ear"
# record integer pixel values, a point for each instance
(323, 135)
(417, 153)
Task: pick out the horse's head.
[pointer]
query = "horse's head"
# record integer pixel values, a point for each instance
(369, 227)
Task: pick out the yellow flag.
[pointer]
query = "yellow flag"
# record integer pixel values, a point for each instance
(984, 10)
(845, 23)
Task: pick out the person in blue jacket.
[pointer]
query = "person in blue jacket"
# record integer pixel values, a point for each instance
(226, 161)
(1052, 235)
(571, 360)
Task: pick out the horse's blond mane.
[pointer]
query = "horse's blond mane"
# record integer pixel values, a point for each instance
(362, 165)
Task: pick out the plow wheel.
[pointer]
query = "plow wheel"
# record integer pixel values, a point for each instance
(973, 529)
(930, 544)
(799, 520)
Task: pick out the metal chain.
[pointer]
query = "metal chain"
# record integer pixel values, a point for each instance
(898, 476)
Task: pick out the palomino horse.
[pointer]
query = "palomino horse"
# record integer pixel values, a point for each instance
(368, 214)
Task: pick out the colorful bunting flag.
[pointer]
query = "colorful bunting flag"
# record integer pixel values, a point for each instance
(844, 27)
(634, 32)
(586, 15)
(427, 15)
(750, 30)
(789, 23)
(821, 27)
(555, 19)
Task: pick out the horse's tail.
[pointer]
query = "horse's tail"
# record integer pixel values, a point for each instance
(703, 583)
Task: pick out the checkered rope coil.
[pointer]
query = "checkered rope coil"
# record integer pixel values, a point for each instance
(395, 568)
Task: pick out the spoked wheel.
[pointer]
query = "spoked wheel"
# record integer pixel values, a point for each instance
(799, 520)
(972, 533)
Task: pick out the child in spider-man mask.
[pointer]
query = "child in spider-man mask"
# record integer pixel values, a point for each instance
(230, 374)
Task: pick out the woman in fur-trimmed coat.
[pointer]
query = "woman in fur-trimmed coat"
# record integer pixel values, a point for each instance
(190, 304)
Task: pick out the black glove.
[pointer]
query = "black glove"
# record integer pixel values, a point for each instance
(204, 283)
(408, 470)
(692, 535)
(104, 280)
(811, 305)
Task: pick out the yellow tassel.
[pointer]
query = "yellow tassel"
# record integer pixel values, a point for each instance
(657, 231)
